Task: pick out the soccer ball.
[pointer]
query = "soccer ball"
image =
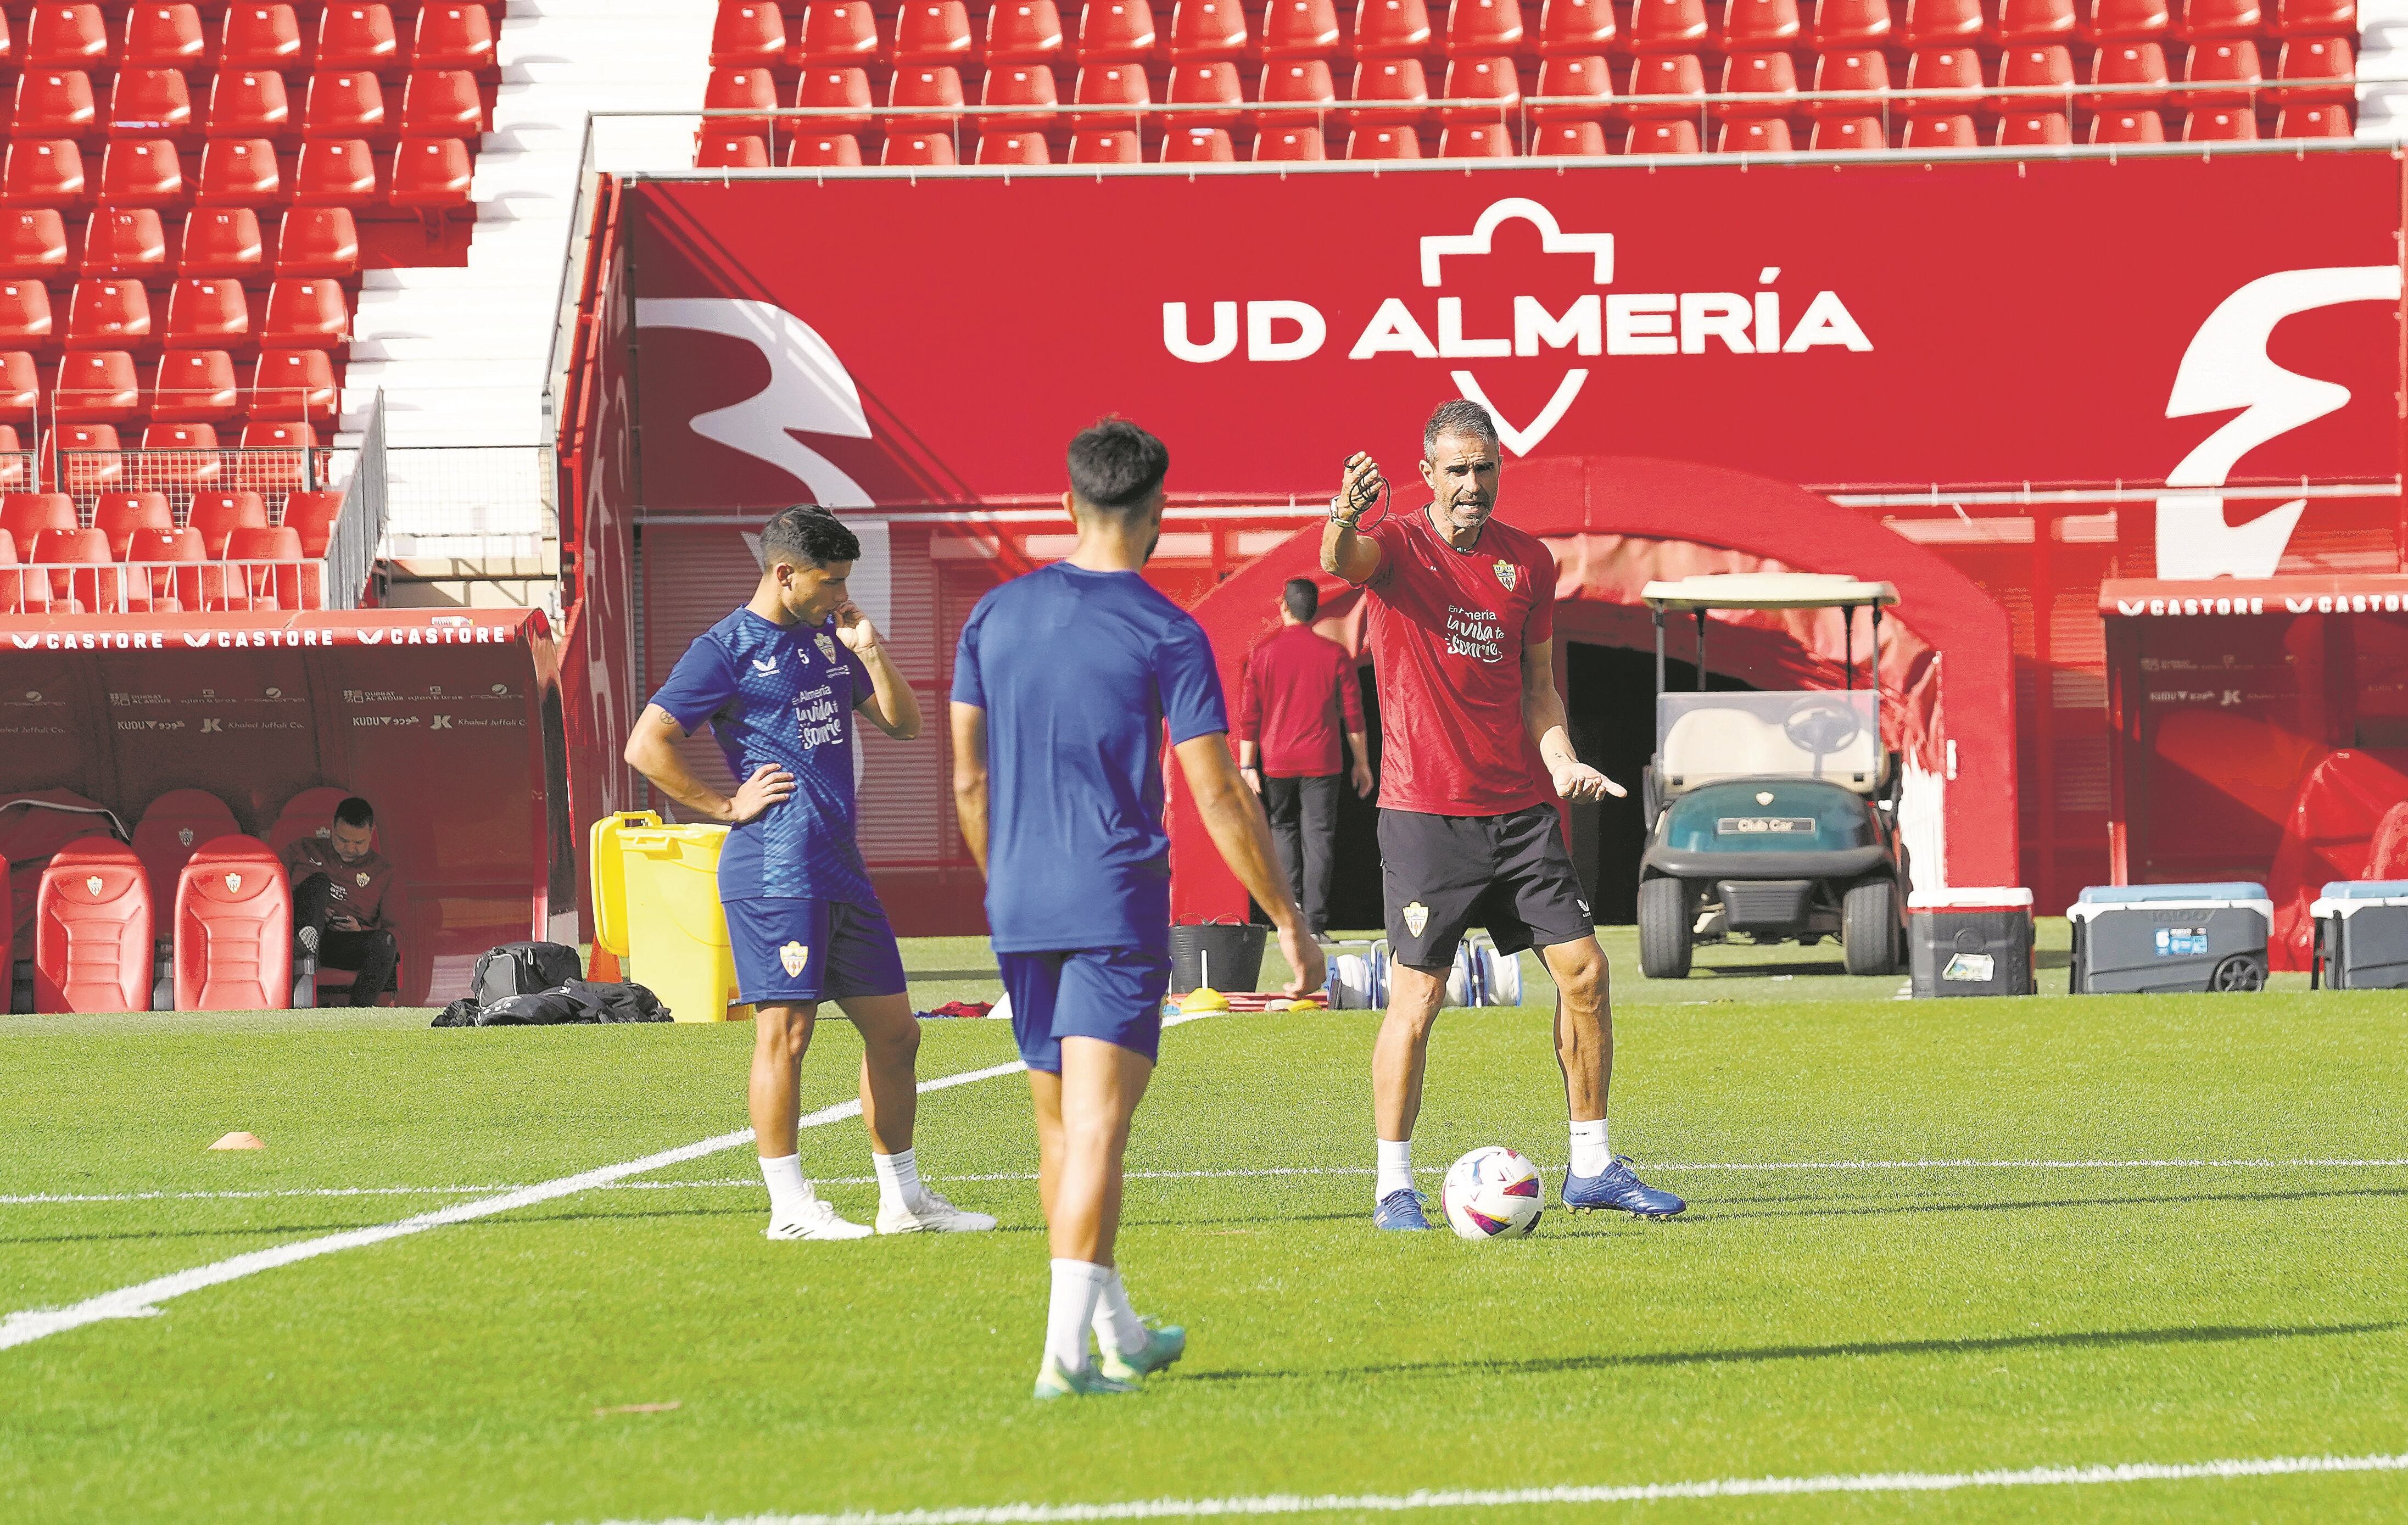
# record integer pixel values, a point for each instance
(1492, 1193)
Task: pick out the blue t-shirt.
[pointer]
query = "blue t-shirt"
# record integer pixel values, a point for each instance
(784, 695)
(1077, 672)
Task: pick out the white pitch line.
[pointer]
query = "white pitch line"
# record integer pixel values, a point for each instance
(1720, 1488)
(141, 1300)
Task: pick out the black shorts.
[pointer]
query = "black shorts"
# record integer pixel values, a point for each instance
(1445, 875)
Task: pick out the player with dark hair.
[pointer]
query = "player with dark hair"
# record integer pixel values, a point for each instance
(780, 680)
(1063, 683)
(339, 881)
(1475, 755)
(1298, 697)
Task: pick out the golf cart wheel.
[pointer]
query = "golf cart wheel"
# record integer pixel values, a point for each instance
(1663, 929)
(1868, 927)
(2242, 971)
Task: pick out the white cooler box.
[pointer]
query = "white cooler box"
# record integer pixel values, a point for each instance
(2361, 935)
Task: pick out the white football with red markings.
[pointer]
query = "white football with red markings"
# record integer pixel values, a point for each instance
(1493, 1193)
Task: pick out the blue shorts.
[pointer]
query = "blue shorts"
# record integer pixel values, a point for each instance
(796, 950)
(1114, 994)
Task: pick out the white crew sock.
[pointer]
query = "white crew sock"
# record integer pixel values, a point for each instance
(1395, 1167)
(898, 1178)
(1591, 1154)
(788, 1194)
(1117, 1323)
(1076, 1285)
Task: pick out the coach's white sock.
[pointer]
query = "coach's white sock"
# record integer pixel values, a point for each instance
(788, 1195)
(898, 1178)
(1076, 1285)
(1591, 1154)
(1117, 1324)
(1395, 1167)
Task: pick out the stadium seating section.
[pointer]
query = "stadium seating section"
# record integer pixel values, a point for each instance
(1302, 79)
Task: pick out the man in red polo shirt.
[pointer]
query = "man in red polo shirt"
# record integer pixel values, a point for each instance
(1473, 754)
(1298, 693)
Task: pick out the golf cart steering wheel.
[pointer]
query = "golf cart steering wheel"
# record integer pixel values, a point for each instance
(1820, 726)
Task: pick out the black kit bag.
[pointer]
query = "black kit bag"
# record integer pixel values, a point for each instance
(521, 968)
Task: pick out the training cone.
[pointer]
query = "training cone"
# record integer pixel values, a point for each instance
(240, 1140)
(1204, 998)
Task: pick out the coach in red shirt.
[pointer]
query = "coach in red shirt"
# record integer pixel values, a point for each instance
(1298, 693)
(1473, 755)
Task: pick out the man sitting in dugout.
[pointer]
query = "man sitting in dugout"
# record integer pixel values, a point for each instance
(338, 888)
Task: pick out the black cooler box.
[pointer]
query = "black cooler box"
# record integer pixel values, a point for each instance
(1969, 942)
(2362, 935)
(2167, 938)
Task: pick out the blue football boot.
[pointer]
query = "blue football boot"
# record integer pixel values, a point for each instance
(1619, 1187)
(1400, 1209)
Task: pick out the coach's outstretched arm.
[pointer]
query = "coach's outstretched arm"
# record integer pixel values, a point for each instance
(651, 751)
(1235, 818)
(1542, 716)
(969, 778)
(1344, 550)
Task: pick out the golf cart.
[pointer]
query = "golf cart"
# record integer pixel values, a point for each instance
(1772, 814)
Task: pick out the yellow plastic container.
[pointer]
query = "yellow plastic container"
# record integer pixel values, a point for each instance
(656, 906)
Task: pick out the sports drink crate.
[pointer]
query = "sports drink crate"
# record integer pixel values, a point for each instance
(1970, 942)
(2361, 935)
(2163, 938)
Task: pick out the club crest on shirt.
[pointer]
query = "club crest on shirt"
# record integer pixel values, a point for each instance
(362, 879)
(826, 644)
(794, 956)
(1416, 917)
(1506, 572)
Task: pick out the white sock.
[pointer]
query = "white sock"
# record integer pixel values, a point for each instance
(898, 1178)
(1076, 1285)
(1591, 1154)
(788, 1195)
(1116, 1322)
(1395, 1167)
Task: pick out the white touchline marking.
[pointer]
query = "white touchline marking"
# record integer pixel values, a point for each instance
(141, 1300)
(1720, 1488)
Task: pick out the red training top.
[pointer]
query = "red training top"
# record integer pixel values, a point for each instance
(1299, 688)
(358, 888)
(1447, 629)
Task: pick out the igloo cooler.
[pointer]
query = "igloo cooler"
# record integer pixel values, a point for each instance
(1970, 942)
(2159, 938)
(2362, 935)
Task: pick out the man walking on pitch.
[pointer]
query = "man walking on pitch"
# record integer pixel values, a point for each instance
(1064, 684)
(1299, 694)
(779, 680)
(1473, 754)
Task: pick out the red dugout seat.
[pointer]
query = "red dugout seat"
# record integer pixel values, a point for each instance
(172, 828)
(308, 814)
(233, 930)
(93, 927)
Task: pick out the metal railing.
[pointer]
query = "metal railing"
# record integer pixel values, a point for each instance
(359, 527)
(483, 501)
(181, 475)
(146, 587)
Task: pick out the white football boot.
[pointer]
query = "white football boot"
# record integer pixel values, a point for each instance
(818, 1220)
(927, 1213)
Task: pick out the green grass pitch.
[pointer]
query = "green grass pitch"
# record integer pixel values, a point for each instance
(1951, 1311)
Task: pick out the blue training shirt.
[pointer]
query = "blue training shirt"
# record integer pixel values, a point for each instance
(784, 695)
(1077, 672)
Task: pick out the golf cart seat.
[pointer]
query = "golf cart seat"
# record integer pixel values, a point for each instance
(1706, 745)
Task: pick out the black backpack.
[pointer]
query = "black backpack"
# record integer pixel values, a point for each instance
(521, 968)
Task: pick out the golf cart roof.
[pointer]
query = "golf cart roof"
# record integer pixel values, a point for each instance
(1767, 590)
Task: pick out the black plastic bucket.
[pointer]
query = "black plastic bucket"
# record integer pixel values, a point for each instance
(1225, 954)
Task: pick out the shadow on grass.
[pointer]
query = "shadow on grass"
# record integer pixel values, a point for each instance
(1977, 1344)
(2188, 1198)
(1763, 971)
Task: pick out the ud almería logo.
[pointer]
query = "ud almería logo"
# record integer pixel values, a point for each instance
(1598, 324)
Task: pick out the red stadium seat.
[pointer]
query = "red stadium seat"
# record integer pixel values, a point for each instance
(1768, 134)
(178, 822)
(1569, 139)
(91, 458)
(1299, 29)
(1196, 146)
(249, 104)
(92, 925)
(215, 516)
(196, 386)
(288, 438)
(1115, 30)
(348, 103)
(2115, 126)
(1663, 137)
(1770, 81)
(84, 577)
(149, 104)
(1484, 28)
(294, 384)
(1388, 90)
(1207, 29)
(207, 312)
(1941, 68)
(825, 150)
(1477, 140)
(1951, 130)
(1667, 26)
(142, 172)
(747, 35)
(432, 173)
(55, 103)
(834, 87)
(171, 576)
(1581, 79)
(1757, 25)
(1390, 29)
(2233, 64)
(1846, 134)
(452, 37)
(931, 150)
(308, 814)
(267, 568)
(2033, 129)
(1022, 32)
(2222, 19)
(1382, 143)
(1110, 85)
(1855, 69)
(221, 240)
(26, 321)
(66, 37)
(2128, 64)
(1491, 82)
(338, 172)
(2220, 125)
(1296, 82)
(1575, 26)
(2314, 121)
(930, 94)
(1851, 23)
(20, 386)
(2037, 67)
(1212, 84)
(2316, 19)
(838, 32)
(2035, 21)
(19, 595)
(1105, 145)
(109, 313)
(233, 930)
(730, 151)
(96, 387)
(197, 442)
(311, 515)
(355, 36)
(34, 242)
(261, 37)
(2127, 21)
(998, 145)
(1289, 143)
(1666, 86)
(24, 516)
(442, 103)
(43, 172)
(165, 38)
(934, 31)
(2313, 60)
(239, 172)
(739, 90)
(313, 314)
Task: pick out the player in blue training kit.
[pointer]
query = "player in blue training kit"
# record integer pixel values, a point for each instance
(779, 681)
(1063, 683)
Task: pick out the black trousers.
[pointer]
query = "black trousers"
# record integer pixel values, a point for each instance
(374, 953)
(1304, 829)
